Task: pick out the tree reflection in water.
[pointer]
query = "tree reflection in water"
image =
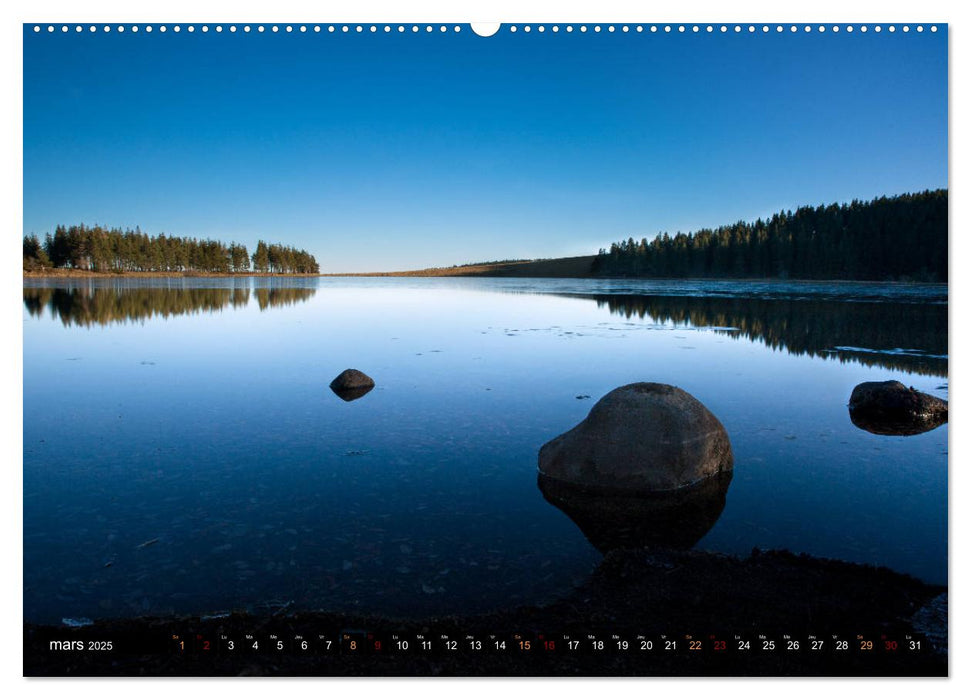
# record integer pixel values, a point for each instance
(87, 306)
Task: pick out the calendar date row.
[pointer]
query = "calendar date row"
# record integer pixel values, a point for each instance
(363, 642)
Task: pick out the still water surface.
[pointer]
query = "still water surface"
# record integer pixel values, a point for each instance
(183, 453)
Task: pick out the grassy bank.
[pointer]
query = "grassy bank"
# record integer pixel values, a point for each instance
(554, 267)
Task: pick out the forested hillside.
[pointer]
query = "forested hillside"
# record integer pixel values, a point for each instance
(889, 238)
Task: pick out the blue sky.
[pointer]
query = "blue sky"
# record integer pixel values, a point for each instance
(387, 151)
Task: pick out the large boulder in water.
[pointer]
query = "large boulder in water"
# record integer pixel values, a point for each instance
(351, 384)
(890, 408)
(640, 438)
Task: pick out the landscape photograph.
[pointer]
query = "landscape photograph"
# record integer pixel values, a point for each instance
(449, 350)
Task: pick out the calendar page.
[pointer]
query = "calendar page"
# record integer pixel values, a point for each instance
(517, 349)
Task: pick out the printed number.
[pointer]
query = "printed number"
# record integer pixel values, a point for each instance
(817, 645)
(622, 645)
(403, 645)
(426, 645)
(792, 645)
(914, 645)
(231, 645)
(475, 644)
(500, 645)
(303, 645)
(598, 645)
(256, 645)
(572, 645)
(279, 645)
(890, 645)
(550, 645)
(768, 645)
(694, 645)
(721, 645)
(353, 645)
(842, 646)
(866, 645)
(328, 643)
(744, 645)
(524, 645)
(451, 646)
(377, 646)
(670, 645)
(647, 645)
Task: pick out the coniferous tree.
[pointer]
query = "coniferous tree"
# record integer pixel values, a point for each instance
(261, 258)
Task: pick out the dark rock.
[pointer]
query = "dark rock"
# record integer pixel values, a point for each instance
(351, 384)
(890, 408)
(638, 439)
(670, 519)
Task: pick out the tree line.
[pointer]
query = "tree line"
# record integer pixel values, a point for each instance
(888, 238)
(100, 249)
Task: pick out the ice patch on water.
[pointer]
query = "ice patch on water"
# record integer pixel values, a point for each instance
(915, 352)
(76, 621)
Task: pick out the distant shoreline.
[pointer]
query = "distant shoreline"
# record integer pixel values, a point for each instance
(578, 267)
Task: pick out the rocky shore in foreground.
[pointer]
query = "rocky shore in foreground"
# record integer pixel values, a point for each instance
(768, 596)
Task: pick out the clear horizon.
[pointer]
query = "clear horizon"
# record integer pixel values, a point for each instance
(381, 152)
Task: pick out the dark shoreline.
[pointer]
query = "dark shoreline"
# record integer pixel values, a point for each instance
(88, 274)
(632, 592)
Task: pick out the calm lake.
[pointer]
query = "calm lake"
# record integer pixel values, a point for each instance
(184, 454)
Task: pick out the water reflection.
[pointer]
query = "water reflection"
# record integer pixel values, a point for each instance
(101, 305)
(904, 337)
(351, 394)
(880, 425)
(672, 519)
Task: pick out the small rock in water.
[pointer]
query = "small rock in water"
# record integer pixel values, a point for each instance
(351, 384)
(583, 396)
(890, 408)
